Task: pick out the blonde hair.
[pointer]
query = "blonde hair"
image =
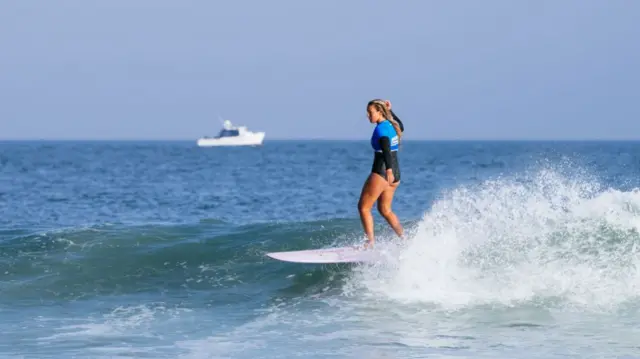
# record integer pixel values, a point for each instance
(381, 106)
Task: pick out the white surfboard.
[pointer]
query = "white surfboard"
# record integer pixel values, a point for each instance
(327, 255)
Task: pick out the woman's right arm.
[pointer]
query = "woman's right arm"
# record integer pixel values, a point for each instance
(397, 120)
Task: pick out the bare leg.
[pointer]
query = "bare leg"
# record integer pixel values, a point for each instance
(371, 190)
(384, 207)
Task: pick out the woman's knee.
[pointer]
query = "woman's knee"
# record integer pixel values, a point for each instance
(363, 206)
(385, 210)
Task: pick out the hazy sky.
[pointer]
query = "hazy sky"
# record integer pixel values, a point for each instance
(305, 69)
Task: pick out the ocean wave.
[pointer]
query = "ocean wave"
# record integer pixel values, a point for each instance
(547, 240)
(71, 264)
(540, 239)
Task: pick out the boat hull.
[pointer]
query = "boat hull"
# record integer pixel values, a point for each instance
(253, 139)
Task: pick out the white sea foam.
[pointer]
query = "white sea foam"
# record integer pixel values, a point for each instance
(508, 241)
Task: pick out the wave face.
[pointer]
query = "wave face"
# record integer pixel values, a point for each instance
(122, 260)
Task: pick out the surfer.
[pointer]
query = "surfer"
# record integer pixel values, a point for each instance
(384, 178)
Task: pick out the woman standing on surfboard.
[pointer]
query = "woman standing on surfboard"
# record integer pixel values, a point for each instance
(384, 178)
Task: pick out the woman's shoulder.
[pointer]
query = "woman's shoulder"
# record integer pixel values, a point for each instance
(385, 127)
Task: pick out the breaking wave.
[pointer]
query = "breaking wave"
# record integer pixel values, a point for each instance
(547, 240)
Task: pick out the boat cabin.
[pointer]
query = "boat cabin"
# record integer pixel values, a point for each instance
(228, 133)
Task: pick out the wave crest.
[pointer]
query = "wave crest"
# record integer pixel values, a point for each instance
(542, 240)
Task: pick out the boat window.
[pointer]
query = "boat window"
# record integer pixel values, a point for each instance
(229, 133)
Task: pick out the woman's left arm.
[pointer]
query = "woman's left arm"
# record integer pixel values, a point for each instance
(385, 145)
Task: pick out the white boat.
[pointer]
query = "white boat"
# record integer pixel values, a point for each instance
(232, 136)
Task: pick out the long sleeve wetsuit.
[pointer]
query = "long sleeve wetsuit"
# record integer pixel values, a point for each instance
(384, 142)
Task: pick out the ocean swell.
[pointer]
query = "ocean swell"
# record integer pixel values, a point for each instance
(80, 263)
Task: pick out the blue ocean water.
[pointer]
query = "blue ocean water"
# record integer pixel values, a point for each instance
(156, 250)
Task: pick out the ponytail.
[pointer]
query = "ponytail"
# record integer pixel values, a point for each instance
(396, 125)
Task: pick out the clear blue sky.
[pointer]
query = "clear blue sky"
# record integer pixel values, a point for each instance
(155, 69)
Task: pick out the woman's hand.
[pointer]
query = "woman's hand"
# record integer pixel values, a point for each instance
(388, 103)
(390, 177)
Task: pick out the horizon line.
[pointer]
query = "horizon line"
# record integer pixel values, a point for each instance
(586, 139)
